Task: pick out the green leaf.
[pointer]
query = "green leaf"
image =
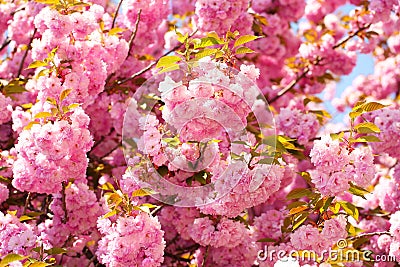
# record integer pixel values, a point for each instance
(295, 204)
(15, 86)
(354, 114)
(204, 42)
(267, 161)
(350, 209)
(145, 207)
(299, 219)
(30, 124)
(239, 142)
(142, 192)
(181, 38)
(49, 2)
(367, 127)
(358, 191)
(244, 50)
(206, 52)
(200, 177)
(39, 264)
(215, 36)
(24, 218)
(172, 141)
(115, 31)
(64, 94)
(298, 209)
(109, 214)
(72, 106)
(27, 105)
(335, 209)
(311, 98)
(42, 115)
(368, 138)
(327, 204)
(335, 136)
(11, 258)
(13, 89)
(299, 192)
(358, 105)
(311, 35)
(51, 101)
(169, 68)
(244, 39)
(322, 113)
(37, 64)
(4, 179)
(56, 251)
(371, 106)
(107, 186)
(167, 61)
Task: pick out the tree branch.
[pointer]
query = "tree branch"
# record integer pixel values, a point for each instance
(146, 69)
(369, 234)
(134, 32)
(292, 84)
(5, 44)
(116, 14)
(351, 36)
(21, 65)
(64, 204)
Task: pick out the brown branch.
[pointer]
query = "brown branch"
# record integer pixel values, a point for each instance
(203, 264)
(369, 234)
(129, 44)
(351, 36)
(116, 14)
(21, 65)
(27, 202)
(146, 69)
(292, 84)
(109, 152)
(64, 204)
(5, 44)
(134, 32)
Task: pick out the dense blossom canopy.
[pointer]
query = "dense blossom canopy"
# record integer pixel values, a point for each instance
(199, 133)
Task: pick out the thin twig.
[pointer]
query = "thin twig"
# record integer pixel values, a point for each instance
(134, 32)
(21, 65)
(116, 14)
(205, 256)
(146, 69)
(5, 44)
(64, 204)
(351, 36)
(109, 152)
(130, 44)
(292, 84)
(27, 202)
(369, 234)
(289, 86)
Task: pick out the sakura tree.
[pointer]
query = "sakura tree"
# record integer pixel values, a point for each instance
(199, 133)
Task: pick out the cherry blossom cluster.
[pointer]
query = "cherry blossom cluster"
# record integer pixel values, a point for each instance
(196, 132)
(52, 153)
(336, 166)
